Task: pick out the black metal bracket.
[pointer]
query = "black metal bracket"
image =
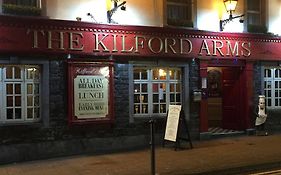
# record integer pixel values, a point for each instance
(113, 10)
(225, 21)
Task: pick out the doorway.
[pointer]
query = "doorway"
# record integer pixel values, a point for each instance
(225, 98)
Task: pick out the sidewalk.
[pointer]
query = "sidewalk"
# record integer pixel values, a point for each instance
(220, 156)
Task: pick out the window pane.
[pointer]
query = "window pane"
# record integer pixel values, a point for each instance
(29, 74)
(36, 113)
(29, 88)
(30, 113)
(36, 101)
(254, 5)
(136, 98)
(9, 88)
(137, 88)
(17, 113)
(18, 101)
(29, 101)
(10, 101)
(9, 113)
(137, 109)
(9, 72)
(144, 88)
(18, 89)
(17, 72)
(36, 88)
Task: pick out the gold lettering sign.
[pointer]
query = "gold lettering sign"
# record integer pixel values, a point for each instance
(137, 44)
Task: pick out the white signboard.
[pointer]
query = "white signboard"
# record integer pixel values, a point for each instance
(90, 96)
(172, 122)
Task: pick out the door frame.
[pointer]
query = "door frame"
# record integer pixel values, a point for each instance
(246, 102)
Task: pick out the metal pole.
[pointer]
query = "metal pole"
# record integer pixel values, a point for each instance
(152, 146)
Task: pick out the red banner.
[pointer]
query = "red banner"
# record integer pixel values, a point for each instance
(41, 36)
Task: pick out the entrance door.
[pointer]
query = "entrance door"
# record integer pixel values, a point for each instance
(231, 94)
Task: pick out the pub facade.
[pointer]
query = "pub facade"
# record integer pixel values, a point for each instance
(71, 87)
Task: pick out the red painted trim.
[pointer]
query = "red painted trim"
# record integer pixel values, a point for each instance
(71, 65)
(81, 38)
(204, 101)
(249, 74)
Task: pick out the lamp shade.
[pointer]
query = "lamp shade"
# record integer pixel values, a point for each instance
(230, 5)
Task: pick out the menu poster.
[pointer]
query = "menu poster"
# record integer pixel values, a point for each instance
(172, 122)
(90, 92)
(91, 96)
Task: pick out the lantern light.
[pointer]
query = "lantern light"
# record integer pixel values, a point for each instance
(230, 6)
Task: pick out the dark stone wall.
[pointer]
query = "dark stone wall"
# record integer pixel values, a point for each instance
(37, 141)
(273, 122)
(194, 81)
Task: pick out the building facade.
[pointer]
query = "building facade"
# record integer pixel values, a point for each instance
(87, 77)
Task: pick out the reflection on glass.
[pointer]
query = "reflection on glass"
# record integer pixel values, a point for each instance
(137, 87)
(172, 74)
(30, 73)
(162, 74)
(36, 74)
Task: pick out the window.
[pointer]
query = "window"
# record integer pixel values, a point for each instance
(256, 16)
(33, 3)
(20, 93)
(155, 89)
(22, 7)
(272, 86)
(179, 13)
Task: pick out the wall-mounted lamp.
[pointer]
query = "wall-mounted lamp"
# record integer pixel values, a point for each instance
(114, 9)
(230, 6)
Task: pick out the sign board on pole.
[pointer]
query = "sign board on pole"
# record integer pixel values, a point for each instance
(172, 123)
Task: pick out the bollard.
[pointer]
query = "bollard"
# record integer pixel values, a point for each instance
(152, 146)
